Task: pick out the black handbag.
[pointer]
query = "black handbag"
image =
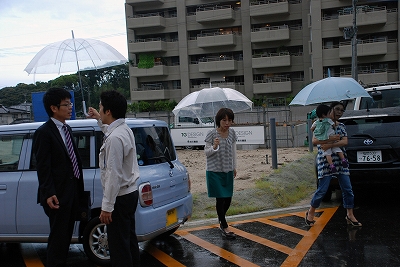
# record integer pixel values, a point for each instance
(83, 213)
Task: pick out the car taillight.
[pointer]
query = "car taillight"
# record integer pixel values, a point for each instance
(145, 194)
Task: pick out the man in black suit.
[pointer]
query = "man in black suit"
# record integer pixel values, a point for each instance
(59, 171)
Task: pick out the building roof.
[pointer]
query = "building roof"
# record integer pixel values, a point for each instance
(3, 110)
(20, 109)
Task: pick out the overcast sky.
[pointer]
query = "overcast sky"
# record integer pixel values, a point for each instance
(27, 26)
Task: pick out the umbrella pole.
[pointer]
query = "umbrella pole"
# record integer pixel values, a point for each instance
(79, 75)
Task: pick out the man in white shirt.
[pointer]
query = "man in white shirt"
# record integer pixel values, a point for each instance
(119, 173)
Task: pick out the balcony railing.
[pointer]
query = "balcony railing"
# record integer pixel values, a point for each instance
(221, 63)
(148, 20)
(272, 7)
(157, 70)
(216, 39)
(368, 47)
(231, 85)
(148, 45)
(360, 9)
(271, 33)
(215, 13)
(268, 60)
(274, 79)
(347, 71)
(275, 84)
(139, 2)
(147, 87)
(366, 15)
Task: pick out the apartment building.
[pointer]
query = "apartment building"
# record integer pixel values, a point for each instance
(265, 48)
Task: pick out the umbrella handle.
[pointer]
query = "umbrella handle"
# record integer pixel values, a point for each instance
(84, 108)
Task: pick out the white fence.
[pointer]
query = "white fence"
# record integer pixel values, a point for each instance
(291, 126)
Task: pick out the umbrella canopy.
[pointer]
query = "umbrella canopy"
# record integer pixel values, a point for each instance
(207, 102)
(73, 55)
(63, 57)
(328, 90)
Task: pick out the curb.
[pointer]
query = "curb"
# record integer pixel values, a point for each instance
(258, 214)
(246, 216)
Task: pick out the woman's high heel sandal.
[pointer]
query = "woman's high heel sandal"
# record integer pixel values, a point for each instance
(358, 224)
(308, 223)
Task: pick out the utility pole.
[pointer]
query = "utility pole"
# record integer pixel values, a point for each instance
(351, 32)
(354, 69)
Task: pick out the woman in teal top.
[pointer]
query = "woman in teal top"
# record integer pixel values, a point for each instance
(220, 150)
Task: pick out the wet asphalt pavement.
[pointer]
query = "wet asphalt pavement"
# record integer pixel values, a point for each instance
(268, 239)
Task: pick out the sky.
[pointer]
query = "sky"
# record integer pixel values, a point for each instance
(27, 26)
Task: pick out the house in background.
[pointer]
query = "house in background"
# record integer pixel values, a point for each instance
(15, 114)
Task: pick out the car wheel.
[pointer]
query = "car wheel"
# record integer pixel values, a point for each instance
(95, 242)
(189, 147)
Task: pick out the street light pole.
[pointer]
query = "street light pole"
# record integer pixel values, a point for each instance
(354, 70)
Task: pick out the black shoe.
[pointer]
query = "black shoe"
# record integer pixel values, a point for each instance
(357, 224)
(228, 235)
(309, 223)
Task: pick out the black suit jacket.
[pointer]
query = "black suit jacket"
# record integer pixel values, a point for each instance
(54, 166)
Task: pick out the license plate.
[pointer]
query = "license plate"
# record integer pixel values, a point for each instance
(369, 156)
(172, 217)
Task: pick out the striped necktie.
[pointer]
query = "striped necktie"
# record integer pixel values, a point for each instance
(70, 148)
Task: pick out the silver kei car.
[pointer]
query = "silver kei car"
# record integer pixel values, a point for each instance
(165, 201)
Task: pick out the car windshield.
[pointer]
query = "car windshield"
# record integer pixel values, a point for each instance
(390, 98)
(153, 145)
(373, 127)
(207, 120)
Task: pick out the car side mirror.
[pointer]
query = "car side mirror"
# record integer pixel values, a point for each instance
(376, 95)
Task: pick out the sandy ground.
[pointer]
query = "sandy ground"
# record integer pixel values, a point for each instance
(252, 165)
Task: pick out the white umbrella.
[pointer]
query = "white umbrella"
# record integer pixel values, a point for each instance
(207, 102)
(328, 90)
(73, 55)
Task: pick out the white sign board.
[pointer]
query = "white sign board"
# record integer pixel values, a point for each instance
(195, 136)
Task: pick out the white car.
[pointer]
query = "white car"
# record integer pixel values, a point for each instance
(165, 201)
(383, 96)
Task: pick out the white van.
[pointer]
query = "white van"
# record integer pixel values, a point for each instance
(383, 96)
(182, 122)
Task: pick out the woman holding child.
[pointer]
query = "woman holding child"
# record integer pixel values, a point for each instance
(325, 173)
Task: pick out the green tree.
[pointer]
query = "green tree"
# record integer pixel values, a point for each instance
(144, 106)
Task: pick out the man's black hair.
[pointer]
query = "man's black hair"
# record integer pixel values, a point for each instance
(53, 97)
(115, 102)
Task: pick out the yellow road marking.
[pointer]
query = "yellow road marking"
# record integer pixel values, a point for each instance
(295, 256)
(298, 253)
(162, 257)
(284, 226)
(216, 250)
(30, 256)
(263, 241)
